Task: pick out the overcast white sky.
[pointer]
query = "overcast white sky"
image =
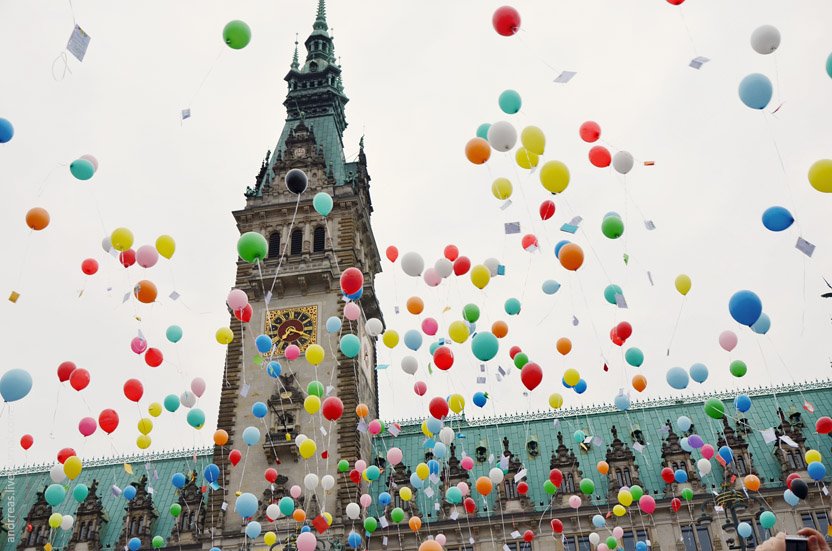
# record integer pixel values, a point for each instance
(421, 78)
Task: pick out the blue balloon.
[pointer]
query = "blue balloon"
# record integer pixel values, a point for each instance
(726, 454)
(305, 529)
(745, 307)
(415, 481)
(211, 473)
(129, 492)
(756, 91)
(699, 372)
(742, 403)
(480, 399)
(641, 546)
(559, 246)
(684, 443)
(273, 369)
(251, 435)
(434, 424)
(263, 344)
(216, 549)
(598, 521)
(744, 529)
(433, 466)
(253, 529)
(15, 384)
(356, 295)
(684, 423)
(440, 450)
(790, 498)
(413, 339)
(178, 480)
(777, 218)
(174, 333)
(333, 324)
(246, 505)
(259, 410)
(550, 286)
(762, 325)
(677, 378)
(565, 384)
(816, 471)
(354, 539)
(134, 544)
(384, 499)
(350, 345)
(622, 402)
(680, 476)
(6, 130)
(580, 388)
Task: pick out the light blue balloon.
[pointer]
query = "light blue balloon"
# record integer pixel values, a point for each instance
(350, 345)
(263, 344)
(685, 444)
(756, 91)
(790, 498)
(216, 549)
(622, 402)
(550, 286)
(7, 130)
(434, 425)
(82, 169)
(384, 499)
(171, 402)
(54, 494)
(580, 388)
(440, 450)
(178, 480)
(777, 219)
(274, 369)
(129, 492)
(259, 410)
(134, 544)
(413, 339)
(174, 333)
(253, 529)
(251, 435)
(598, 521)
(482, 130)
(322, 203)
(745, 307)
(742, 403)
(453, 495)
(699, 372)
(684, 423)
(726, 454)
(246, 505)
(196, 418)
(485, 346)
(286, 505)
(816, 471)
(762, 325)
(744, 529)
(354, 539)
(677, 378)
(641, 546)
(15, 384)
(510, 102)
(415, 481)
(333, 324)
(512, 307)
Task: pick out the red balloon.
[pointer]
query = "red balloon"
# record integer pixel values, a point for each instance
(823, 425)
(513, 351)
(355, 476)
(443, 358)
(590, 131)
(352, 280)
(557, 526)
(529, 242)
(153, 357)
(462, 265)
(65, 454)
(547, 210)
(600, 156)
(392, 253)
(470, 505)
(108, 420)
(675, 2)
(271, 475)
(528, 535)
(616, 340)
(624, 330)
(65, 370)
(244, 314)
(531, 375)
(438, 407)
(522, 488)
(556, 477)
(127, 258)
(89, 266)
(419, 387)
(26, 441)
(667, 475)
(234, 456)
(675, 504)
(133, 389)
(791, 478)
(506, 21)
(332, 408)
(79, 379)
(451, 252)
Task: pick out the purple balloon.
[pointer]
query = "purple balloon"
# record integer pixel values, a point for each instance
(695, 441)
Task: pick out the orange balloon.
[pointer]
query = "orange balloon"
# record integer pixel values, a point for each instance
(640, 382)
(415, 523)
(299, 515)
(484, 485)
(499, 329)
(603, 467)
(752, 482)
(145, 291)
(220, 437)
(430, 545)
(362, 410)
(571, 256)
(415, 305)
(564, 346)
(477, 150)
(37, 218)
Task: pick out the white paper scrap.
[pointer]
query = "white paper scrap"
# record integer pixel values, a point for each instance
(620, 301)
(805, 247)
(186, 114)
(768, 435)
(78, 43)
(788, 441)
(649, 225)
(698, 62)
(244, 390)
(565, 77)
(515, 534)
(505, 205)
(454, 515)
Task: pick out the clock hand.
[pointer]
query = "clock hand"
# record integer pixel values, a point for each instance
(289, 331)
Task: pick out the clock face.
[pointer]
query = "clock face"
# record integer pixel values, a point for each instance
(299, 152)
(298, 326)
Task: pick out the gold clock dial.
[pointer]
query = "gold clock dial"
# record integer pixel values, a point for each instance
(298, 326)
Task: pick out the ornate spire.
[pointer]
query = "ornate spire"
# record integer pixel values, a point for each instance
(320, 17)
(295, 64)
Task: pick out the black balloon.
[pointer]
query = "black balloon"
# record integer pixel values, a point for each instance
(296, 181)
(800, 488)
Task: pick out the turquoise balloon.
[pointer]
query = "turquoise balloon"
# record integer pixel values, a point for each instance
(579, 436)
(82, 169)
(433, 347)
(174, 333)
(286, 505)
(413, 339)
(610, 292)
(634, 357)
(350, 345)
(756, 91)
(767, 520)
(54, 494)
(485, 346)
(510, 102)
(322, 202)
(828, 70)
(80, 492)
(512, 307)
(453, 495)
(196, 418)
(373, 472)
(171, 402)
(482, 130)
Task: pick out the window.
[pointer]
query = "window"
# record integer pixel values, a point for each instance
(762, 533)
(274, 244)
(794, 459)
(297, 241)
(510, 489)
(808, 520)
(319, 239)
(696, 538)
(628, 481)
(82, 533)
(568, 483)
(819, 521)
(741, 467)
(619, 477)
(521, 546)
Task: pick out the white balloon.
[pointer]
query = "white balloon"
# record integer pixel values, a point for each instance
(413, 264)
(493, 265)
(704, 466)
(106, 244)
(496, 475)
(765, 39)
(273, 511)
(328, 482)
(92, 161)
(441, 539)
(446, 435)
(374, 327)
(444, 267)
(622, 162)
(594, 538)
(187, 399)
(57, 474)
(353, 510)
(300, 439)
(502, 136)
(66, 522)
(310, 481)
(410, 365)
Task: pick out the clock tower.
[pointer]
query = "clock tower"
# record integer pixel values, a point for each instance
(293, 293)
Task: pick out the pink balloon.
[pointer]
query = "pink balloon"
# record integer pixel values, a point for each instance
(365, 500)
(602, 547)
(87, 426)
(574, 501)
(374, 427)
(295, 491)
(351, 311)
(306, 541)
(147, 256)
(420, 387)
(432, 277)
(394, 456)
(292, 352)
(441, 539)
(467, 463)
(198, 386)
(728, 340)
(647, 504)
(237, 299)
(360, 465)
(618, 531)
(138, 345)
(707, 451)
(464, 488)
(429, 326)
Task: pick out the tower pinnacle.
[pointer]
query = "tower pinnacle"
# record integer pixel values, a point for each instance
(320, 18)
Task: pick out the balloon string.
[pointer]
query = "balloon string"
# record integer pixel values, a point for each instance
(285, 246)
(687, 30)
(202, 82)
(676, 326)
(62, 58)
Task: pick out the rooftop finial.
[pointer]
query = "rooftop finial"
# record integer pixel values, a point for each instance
(320, 18)
(295, 56)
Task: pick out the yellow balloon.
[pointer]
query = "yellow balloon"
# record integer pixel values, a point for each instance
(480, 276)
(55, 520)
(47, 546)
(364, 475)
(425, 430)
(554, 176)
(525, 158)
(683, 284)
(121, 239)
(533, 139)
(502, 188)
(812, 456)
(625, 498)
(166, 246)
(458, 331)
(555, 400)
(422, 471)
(406, 493)
(224, 335)
(619, 511)
(315, 354)
(269, 538)
(312, 404)
(571, 376)
(328, 518)
(457, 403)
(820, 175)
(72, 467)
(307, 448)
(145, 425)
(155, 409)
(390, 338)
(143, 441)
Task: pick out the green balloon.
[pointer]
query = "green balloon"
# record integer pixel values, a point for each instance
(82, 169)
(343, 466)
(612, 543)
(397, 515)
(687, 494)
(158, 542)
(612, 227)
(485, 346)
(738, 368)
(54, 494)
(252, 247)
(512, 307)
(471, 313)
(520, 360)
(171, 402)
(175, 510)
(549, 487)
(315, 388)
(637, 491)
(322, 202)
(80, 492)
(714, 408)
(587, 486)
(196, 418)
(610, 292)
(482, 130)
(634, 357)
(236, 34)
(510, 102)
(370, 524)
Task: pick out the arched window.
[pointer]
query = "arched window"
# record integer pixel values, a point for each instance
(133, 527)
(319, 239)
(274, 244)
(627, 479)
(297, 241)
(82, 533)
(620, 477)
(510, 489)
(568, 482)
